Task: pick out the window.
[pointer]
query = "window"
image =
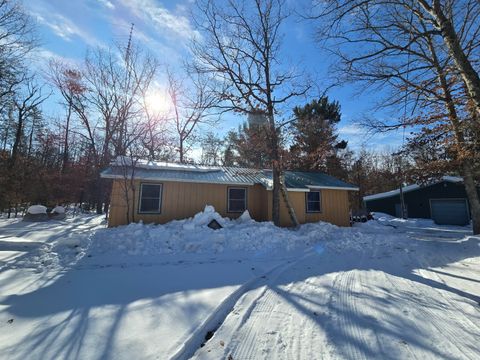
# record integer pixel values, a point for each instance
(237, 199)
(150, 198)
(314, 201)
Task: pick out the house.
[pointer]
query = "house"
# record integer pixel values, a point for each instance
(444, 201)
(168, 191)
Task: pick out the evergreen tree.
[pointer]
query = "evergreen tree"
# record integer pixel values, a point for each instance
(315, 140)
(248, 146)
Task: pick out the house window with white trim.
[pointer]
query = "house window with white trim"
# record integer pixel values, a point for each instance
(237, 199)
(150, 199)
(314, 201)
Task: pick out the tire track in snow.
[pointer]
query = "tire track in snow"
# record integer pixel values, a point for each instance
(424, 272)
(237, 331)
(272, 330)
(227, 307)
(311, 329)
(346, 306)
(441, 325)
(261, 315)
(216, 318)
(377, 277)
(444, 325)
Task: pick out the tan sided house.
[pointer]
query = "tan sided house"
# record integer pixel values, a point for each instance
(168, 191)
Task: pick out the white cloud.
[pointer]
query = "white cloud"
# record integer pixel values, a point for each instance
(107, 4)
(351, 129)
(359, 137)
(162, 20)
(65, 28)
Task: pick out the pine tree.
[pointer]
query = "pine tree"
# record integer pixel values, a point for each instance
(248, 146)
(315, 140)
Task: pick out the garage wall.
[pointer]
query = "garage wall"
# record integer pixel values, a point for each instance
(418, 201)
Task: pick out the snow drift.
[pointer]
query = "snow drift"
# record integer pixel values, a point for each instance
(194, 236)
(36, 213)
(37, 209)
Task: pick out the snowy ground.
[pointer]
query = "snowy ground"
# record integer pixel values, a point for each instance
(386, 289)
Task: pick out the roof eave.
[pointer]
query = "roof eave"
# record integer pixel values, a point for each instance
(349, 188)
(118, 177)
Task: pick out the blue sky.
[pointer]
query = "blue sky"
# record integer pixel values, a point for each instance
(68, 28)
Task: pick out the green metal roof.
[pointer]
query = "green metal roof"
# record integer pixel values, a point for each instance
(295, 180)
(304, 179)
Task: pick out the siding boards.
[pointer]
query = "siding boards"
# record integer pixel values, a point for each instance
(181, 200)
(335, 208)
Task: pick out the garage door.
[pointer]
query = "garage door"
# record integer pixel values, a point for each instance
(450, 211)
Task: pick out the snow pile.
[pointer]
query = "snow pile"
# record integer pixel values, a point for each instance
(58, 210)
(203, 218)
(245, 217)
(37, 209)
(194, 236)
(243, 236)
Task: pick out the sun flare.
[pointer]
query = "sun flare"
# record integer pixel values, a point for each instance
(157, 102)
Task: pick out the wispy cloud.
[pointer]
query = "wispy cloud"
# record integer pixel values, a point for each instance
(107, 4)
(359, 137)
(165, 22)
(64, 27)
(351, 129)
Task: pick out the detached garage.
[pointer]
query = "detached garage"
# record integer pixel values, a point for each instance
(450, 211)
(443, 201)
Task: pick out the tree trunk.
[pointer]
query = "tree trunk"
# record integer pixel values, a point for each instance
(180, 150)
(30, 140)
(99, 206)
(291, 211)
(99, 196)
(472, 195)
(466, 167)
(65, 141)
(278, 185)
(464, 66)
(18, 139)
(106, 206)
(133, 199)
(276, 194)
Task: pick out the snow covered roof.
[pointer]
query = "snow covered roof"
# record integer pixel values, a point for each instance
(162, 171)
(412, 187)
(163, 165)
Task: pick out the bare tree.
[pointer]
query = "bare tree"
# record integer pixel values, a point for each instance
(26, 104)
(68, 81)
(454, 23)
(109, 104)
(17, 39)
(128, 164)
(191, 104)
(394, 45)
(157, 139)
(212, 148)
(240, 48)
(443, 17)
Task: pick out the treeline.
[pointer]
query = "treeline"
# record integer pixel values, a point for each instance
(420, 57)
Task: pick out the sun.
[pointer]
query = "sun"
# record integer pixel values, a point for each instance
(158, 102)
